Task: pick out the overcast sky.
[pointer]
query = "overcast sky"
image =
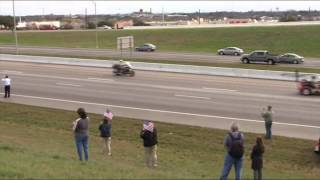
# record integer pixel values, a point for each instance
(113, 7)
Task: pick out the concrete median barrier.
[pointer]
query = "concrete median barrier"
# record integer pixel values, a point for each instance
(203, 70)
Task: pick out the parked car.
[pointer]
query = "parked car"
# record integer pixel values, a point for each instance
(309, 86)
(259, 56)
(230, 51)
(291, 58)
(104, 27)
(146, 47)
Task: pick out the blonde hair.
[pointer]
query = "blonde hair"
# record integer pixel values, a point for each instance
(234, 127)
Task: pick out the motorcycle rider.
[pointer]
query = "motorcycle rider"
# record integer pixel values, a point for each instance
(313, 81)
(125, 63)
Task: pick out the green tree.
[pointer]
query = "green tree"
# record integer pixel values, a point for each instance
(91, 25)
(6, 21)
(138, 22)
(109, 23)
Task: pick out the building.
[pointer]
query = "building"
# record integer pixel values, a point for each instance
(35, 25)
(238, 21)
(122, 24)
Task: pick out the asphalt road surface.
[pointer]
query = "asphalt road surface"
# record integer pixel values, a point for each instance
(200, 100)
(166, 56)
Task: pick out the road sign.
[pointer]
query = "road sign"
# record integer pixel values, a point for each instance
(125, 42)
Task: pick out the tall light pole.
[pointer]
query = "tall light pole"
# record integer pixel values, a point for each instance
(14, 27)
(96, 22)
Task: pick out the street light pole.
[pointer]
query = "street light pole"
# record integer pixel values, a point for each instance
(15, 28)
(96, 22)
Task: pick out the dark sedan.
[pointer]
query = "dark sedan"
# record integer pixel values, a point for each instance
(146, 47)
(290, 58)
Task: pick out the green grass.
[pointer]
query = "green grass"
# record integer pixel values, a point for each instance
(303, 40)
(38, 143)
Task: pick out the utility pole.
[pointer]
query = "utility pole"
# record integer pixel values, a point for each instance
(86, 19)
(162, 17)
(199, 17)
(15, 27)
(96, 20)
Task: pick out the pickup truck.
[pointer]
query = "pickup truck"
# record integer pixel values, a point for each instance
(260, 56)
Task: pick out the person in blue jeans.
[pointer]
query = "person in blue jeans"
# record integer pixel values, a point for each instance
(234, 143)
(81, 134)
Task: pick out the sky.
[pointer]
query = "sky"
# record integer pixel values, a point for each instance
(23, 8)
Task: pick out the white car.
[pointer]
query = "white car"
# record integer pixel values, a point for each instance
(104, 27)
(230, 51)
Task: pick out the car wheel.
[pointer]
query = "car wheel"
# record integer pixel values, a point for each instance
(236, 54)
(270, 62)
(245, 61)
(295, 62)
(306, 92)
(221, 53)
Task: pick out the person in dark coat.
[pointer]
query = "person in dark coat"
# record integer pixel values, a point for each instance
(150, 141)
(257, 159)
(105, 134)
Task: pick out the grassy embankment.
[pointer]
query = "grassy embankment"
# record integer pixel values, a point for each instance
(37, 143)
(302, 40)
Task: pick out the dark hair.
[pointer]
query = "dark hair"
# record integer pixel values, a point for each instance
(260, 144)
(269, 107)
(82, 113)
(7, 76)
(105, 121)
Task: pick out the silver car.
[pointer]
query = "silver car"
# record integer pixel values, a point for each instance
(230, 51)
(290, 58)
(146, 47)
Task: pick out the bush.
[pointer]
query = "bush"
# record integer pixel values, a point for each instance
(137, 22)
(67, 26)
(91, 25)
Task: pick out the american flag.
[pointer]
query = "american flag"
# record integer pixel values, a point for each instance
(108, 115)
(149, 126)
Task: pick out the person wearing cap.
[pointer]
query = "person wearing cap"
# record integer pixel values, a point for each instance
(105, 132)
(150, 141)
(7, 86)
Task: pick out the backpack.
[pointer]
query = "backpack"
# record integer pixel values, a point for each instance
(236, 148)
(104, 130)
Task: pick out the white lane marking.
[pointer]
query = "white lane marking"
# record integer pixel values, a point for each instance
(164, 111)
(11, 72)
(219, 89)
(66, 84)
(273, 96)
(196, 97)
(100, 79)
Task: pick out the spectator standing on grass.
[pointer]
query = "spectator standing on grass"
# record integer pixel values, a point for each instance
(105, 134)
(81, 134)
(267, 115)
(7, 86)
(317, 147)
(234, 143)
(150, 141)
(257, 159)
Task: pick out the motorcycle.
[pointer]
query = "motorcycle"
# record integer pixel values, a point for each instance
(120, 70)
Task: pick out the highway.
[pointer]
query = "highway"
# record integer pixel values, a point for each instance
(206, 101)
(165, 56)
